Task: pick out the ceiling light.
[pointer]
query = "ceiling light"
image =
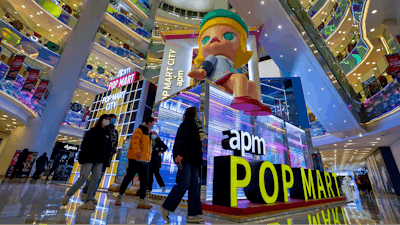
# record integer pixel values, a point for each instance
(266, 35)
(368, 63)
(345, 121)
(309, 70)
(249, 12)
(5, 116)
(279, 27)
(343, 39)
(340, 32)
(31, 15)
(374, 11)
(373, 63)
(295, 49)
(372, 30)
(355, 85)
(335, 144)
(41, 12)
(38, 25)
(341, 45)
(378, 139)
(23, 6)
(344, 32)
(322, 88)
(334, 106)
(38, 13)
(373, 144)
(262, 2)
(8, 125)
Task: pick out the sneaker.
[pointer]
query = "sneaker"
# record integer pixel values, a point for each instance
(83, 197)
(164, 189)
(143, 204)
(94, 201)
(195, 219)
(65, 200)
(88, 205)
(165, 214)
(119, 200)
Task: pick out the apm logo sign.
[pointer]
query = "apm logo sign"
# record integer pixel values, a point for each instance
(243, 142)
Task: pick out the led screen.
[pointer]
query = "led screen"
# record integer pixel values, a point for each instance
(298, 149)
(169, 115)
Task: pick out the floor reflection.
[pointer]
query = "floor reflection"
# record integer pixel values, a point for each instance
(25, 201)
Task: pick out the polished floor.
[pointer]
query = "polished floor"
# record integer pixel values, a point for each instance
(28, 202)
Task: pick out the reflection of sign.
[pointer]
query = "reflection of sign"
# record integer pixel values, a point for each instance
(41, 89)
(244, 142)
(122, 81)
(31, 80)
(15, 67)
(267, 183)
(114, 98)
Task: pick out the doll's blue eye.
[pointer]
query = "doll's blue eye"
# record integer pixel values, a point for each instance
(229, 36)
(205, 40)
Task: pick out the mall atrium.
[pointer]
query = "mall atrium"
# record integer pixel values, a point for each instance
(308, 105)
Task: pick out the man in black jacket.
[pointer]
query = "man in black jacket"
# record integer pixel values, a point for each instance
(158, 147)
(19, 166)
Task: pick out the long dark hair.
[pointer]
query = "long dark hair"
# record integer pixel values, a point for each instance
(102, 117)
(190, 113)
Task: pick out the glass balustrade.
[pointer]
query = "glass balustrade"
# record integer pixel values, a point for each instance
(356, 55)
(56, 9)
(313, 9)
(94, 78)
(335, 20)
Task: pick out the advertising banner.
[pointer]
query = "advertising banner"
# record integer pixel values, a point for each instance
(41, 89)
(31, 80)
(27, 164)
(15, 67)
(27, 45)
(122, 81)
(394, 65)
(3, 70)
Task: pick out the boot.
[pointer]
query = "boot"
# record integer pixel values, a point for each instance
(119, 200)
(143, 204)
(195, 219)
(88, 205)
(165, 214)
(65, 200)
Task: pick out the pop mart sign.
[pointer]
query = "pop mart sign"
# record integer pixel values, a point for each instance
(267, 183)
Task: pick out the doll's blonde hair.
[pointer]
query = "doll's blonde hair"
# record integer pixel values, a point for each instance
(242, 55)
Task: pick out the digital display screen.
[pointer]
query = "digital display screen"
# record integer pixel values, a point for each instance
(169, 115)
(298, 149)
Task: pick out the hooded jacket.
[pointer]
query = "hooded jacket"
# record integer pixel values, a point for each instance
(158, 146)
(96, 146)
(140, 144)
(188, 143)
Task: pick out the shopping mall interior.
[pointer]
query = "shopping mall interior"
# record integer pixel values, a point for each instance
(320, 143)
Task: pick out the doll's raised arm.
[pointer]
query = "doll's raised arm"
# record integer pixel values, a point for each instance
(208, 64)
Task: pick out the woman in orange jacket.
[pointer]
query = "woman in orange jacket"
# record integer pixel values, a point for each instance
(139, 155)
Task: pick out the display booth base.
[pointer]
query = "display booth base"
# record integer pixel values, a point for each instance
(247, 209)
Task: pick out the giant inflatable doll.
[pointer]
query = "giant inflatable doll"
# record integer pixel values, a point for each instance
(222, 50)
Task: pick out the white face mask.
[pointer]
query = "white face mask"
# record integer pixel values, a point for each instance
(105, 122)
(153, 136)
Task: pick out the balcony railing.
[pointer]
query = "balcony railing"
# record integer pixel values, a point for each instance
(94, 78)
(128, 23)
(115, 48)
(145, 9)
(58, 12)
(355, 56)
(349, 48)
(313, 9)
(336, 19)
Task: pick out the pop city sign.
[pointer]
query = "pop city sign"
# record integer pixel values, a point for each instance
(262, 181)
(123, 79)
(114, 100)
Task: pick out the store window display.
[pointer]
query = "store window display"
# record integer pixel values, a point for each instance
(222, 50)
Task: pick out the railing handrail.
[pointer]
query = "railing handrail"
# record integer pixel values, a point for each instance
(61, 9)
(376, 79)
(10, 14)
(345, 48)
(112, 6)
(338, 8)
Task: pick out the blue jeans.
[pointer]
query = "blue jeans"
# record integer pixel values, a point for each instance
(85, 189)
(187, 178)
(86, 168)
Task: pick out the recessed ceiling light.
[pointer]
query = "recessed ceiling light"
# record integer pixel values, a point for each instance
(14, 122)
(262, 2)
(372, 30)
(295, 49)
(378, 139)
(334, 144)
(31, 15)
(8, 125)
(373, 63)
(344, 32)
(249, 12)
(23, 6)
(38, 25)
(374, 11)
(5, 116)
(279, 27)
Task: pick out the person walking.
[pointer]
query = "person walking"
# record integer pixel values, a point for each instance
(107, 162)
(94, 150)
(19, 166)
(41, 163)
(139, 155)
(188, 154)
(159, 147)
(56, 163)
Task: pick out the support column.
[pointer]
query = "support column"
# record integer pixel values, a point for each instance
(41, 133)
(221, 4)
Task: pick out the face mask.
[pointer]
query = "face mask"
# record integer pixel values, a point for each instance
(105, 122)
(113, 121)
(153, 136)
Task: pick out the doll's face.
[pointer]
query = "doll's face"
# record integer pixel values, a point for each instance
(220, 40)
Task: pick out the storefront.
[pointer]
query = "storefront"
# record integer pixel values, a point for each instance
(62, 158)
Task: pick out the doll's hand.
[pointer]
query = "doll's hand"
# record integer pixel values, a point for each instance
(198, 74)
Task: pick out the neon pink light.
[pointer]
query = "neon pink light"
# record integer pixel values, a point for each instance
(122, 81)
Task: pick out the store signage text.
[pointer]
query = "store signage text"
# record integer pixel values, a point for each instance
(123, 72)
(169, 75)
(70, 147)
(244, 142)
(267, 183)
(122, 81)
(114, 98)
